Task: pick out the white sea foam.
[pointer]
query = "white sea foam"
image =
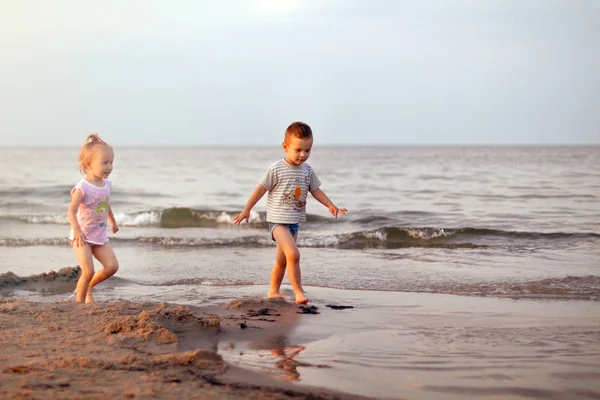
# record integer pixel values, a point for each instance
(61, 219)
(378, 234)
(423, 234)
(141, 219)
(320, 241)
(225, 218)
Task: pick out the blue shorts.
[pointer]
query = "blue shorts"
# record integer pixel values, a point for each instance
(294, 228)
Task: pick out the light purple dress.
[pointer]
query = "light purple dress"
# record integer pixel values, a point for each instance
(93, 211)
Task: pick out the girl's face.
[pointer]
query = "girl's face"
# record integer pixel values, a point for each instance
(297, 149)
(102, 162)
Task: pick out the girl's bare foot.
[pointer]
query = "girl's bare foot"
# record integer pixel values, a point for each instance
(89, 299)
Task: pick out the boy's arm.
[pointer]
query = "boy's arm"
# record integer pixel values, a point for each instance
(112, 220)
(323, 199)
(78, 236)
(258, 193)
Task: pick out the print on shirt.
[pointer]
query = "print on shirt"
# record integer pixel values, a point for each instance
(102, 211)
(296, 197)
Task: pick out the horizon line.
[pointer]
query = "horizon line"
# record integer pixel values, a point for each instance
(33, 146)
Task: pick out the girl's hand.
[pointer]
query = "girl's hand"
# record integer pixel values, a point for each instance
(244, 215)
(79, 239)
(114, 227)
(335, 211)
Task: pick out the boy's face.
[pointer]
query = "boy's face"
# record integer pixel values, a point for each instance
(297, 149)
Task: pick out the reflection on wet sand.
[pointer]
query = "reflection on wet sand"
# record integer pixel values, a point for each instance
(284, 354)
(286, 362)
(278, 346)
(268, 327)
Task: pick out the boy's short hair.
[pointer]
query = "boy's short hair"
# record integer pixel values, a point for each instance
(298, 130)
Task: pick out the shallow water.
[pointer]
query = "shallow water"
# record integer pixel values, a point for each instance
(421, 346)
(476, 217)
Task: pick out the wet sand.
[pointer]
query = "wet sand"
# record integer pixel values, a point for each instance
(129, 350)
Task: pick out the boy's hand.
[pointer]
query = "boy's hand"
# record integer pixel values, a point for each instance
(244, 215)
(79, 238)
(335, 211)
(114, 227)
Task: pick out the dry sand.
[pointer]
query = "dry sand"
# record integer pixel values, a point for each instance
(129, 350)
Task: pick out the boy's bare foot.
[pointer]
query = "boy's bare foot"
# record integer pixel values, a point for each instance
(300, 298)
(275, 295)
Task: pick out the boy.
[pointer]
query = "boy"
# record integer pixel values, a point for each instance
(288, 182)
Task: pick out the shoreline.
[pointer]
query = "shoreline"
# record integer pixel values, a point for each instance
(138, 350)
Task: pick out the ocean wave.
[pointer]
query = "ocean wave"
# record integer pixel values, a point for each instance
(559, 288)
(135, 219)
(192, 218)
(204, 282)
(466, 238)
(21, 192)
(176, 217)
(19, 242)
(149, 218)
(167, 218)
(483, 232)
(355, 241)
(370, 235)
(382, 238)
(164, 241)
(574, 287)
(60, 219)
(170, 241)
(568, 287)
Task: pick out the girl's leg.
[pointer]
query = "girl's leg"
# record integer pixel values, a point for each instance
(277, 274)
(107, 258)
(287, 243)
(86, 263)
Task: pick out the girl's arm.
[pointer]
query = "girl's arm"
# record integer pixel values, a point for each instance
(78, 236)
(323, 199)
(258, 193)
(112, 220)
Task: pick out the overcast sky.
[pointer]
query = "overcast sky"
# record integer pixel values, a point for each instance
(359, 72)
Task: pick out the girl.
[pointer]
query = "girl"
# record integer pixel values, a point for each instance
(88, 213)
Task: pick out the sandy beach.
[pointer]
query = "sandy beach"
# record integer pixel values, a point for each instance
(129, 350)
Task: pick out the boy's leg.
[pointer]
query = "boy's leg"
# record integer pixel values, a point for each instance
(277, 274)
(287, 243)
(86, 263)
(107, 258)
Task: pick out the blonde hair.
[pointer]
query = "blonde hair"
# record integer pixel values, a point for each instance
(89, 146)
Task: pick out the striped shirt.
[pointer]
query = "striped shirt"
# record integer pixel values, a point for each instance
(288, 187)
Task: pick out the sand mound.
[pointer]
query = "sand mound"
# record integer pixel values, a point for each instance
(160, 323)
(10, 279)
(255, 304)
(205, 362)
(67, 274)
